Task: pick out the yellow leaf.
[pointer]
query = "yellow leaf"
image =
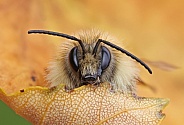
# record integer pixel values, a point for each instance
(84, 105)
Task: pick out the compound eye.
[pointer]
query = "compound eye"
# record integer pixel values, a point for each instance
(106, 57)
(73, 59)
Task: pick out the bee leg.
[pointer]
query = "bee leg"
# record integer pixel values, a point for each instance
(68, 90)
(112, 88)
(97, 82)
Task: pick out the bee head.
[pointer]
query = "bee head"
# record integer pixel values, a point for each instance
(90, 60)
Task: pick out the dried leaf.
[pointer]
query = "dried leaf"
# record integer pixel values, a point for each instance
(84, 105)
(22, 59)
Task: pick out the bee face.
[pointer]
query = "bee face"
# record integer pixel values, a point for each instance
(89, 69)
(90, 59)
(90, 65)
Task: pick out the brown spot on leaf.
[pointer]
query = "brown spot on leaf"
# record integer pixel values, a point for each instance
(33, 78)
(22, 90)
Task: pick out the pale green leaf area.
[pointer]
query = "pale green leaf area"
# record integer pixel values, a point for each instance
(9, 117)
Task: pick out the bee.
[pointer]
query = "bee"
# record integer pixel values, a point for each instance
(91, 58)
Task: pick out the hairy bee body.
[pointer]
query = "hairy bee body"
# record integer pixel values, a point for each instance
(121, 72)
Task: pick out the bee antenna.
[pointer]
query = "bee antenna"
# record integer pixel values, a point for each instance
(123, 51)
(59, 34)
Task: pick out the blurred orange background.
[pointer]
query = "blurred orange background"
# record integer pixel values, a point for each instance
(152, 30)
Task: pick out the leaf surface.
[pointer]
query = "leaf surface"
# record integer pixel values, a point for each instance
(23, 59)
(84, 105)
